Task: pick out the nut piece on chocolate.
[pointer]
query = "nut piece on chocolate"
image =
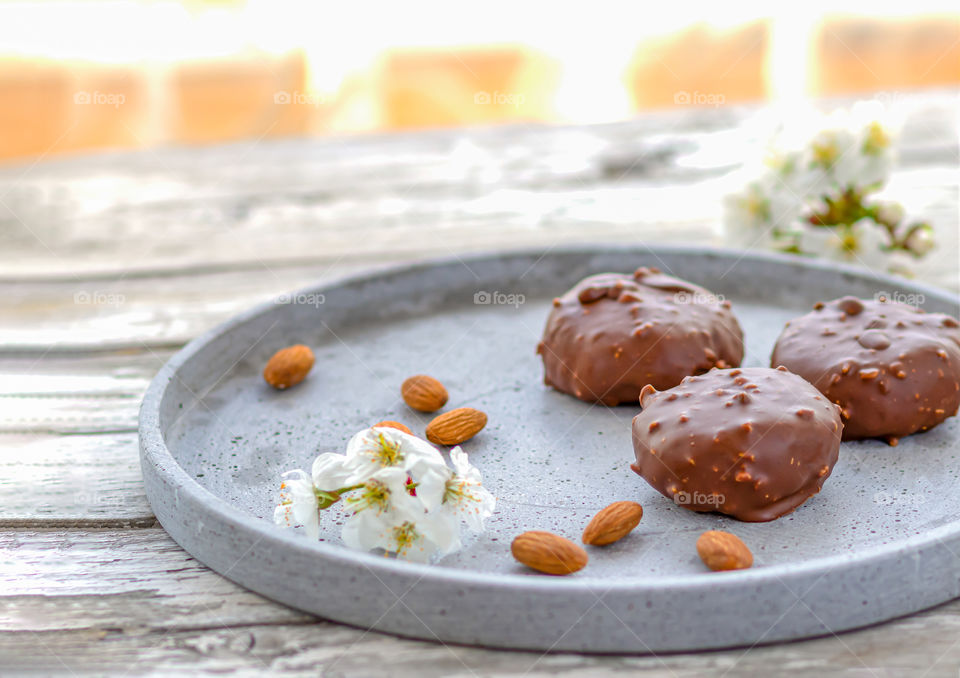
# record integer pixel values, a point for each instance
(613, 334)
(753, 443)
(893, 369)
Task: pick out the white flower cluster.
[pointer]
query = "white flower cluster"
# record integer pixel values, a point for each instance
(812, 194)
(397, 494)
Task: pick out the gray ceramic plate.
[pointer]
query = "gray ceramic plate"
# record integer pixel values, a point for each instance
(881, 540)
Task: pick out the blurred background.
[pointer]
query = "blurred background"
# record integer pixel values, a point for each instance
(97, 74)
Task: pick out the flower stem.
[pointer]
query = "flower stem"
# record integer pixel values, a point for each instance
(329, 498)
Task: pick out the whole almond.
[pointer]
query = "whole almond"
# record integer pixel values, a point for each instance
(549, 553)
(424, 393)
(288, 366)
(456, 426)
(723, 551)
(393, 424)
(613, 523)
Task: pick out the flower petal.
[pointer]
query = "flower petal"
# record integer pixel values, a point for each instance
(298, 504)
(366, 452)
(431, 481)
(330, 472)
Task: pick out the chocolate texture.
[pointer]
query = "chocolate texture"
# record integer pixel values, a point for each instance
(613, 334)
(893, 369)
(753, 443)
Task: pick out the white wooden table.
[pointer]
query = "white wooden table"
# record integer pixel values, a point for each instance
(108, 264)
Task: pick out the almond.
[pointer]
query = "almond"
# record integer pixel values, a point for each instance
(549, 553)
(288, 366)
(456, 426)
(613, 523)
(393, 424)
(723, 551)
(424, 393)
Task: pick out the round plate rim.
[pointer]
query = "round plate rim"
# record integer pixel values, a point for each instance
(156, 453)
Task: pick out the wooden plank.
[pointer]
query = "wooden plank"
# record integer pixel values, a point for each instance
(96, 373)
(144, 316)
(87, 394)
(131, 580)
(72, 414)
(105, 602)
(55, 467)
(313, 649)
(75, 480)
(383, 227)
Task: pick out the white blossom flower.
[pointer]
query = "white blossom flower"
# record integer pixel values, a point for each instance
(876, 132)
(381, 501)
(417, 541)
(891, 213)
(790, 172)
(834, 152)
(867, 243)
(396, 492)
(920, 240)
(431, 481)
(876, 155)
(862, 243)
(854, 148)
(749, 208)
(785, 210)
(465, 496)
(330, 472)
(821, 241)
(298, 505)
(817, 180)
(385, 514)
(760, 214)
(375, 448)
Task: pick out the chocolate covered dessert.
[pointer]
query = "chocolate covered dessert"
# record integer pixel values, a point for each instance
(613, 334)
(893, 369)
(753, 443)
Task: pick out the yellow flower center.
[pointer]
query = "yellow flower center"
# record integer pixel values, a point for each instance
(387, 453)
(757, 206)
(877, 139)
(849, 242)
(374, 494)
(405, 536)
(782, 164)
(458, 490)
(825, 154)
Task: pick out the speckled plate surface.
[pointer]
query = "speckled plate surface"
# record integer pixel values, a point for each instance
(881, 540)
